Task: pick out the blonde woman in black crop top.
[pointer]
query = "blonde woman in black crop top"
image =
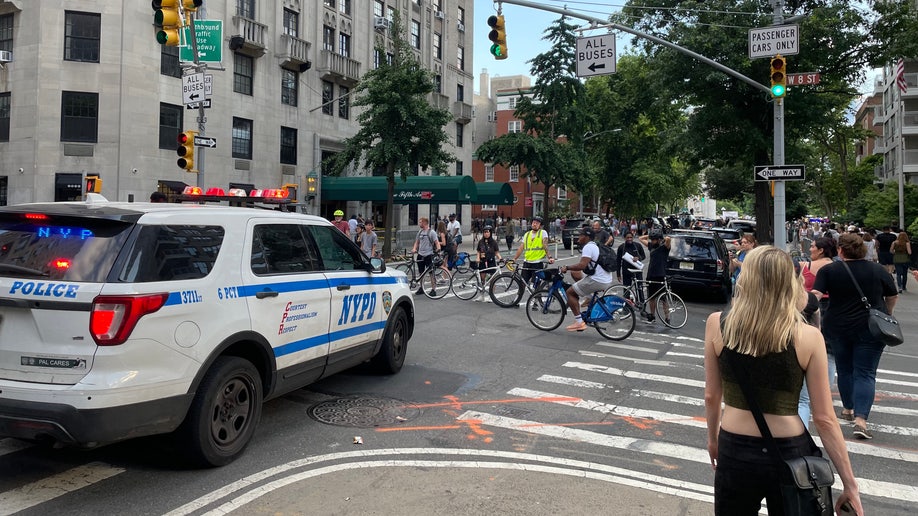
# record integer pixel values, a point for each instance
(777, 349)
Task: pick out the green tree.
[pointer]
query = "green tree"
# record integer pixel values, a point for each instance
(399, 129)
(882, 206)
(549, 150)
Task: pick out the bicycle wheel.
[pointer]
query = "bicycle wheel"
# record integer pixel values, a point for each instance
(441, 281)
(465, 285)
(671, 310)
(462, 262)
(620, 326)
(408, 269)
(624, 293)
(545, 312)
(506, 290)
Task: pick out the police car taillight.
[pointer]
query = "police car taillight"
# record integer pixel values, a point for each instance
(113, 318)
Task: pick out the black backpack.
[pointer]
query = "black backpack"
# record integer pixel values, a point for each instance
(608, 260)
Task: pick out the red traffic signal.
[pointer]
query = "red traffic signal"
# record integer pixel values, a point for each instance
(185, 150)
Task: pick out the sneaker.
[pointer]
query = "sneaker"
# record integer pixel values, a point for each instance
(577, 326)
(846, 416)
(419, 292)
(433, 292)
(861, 432)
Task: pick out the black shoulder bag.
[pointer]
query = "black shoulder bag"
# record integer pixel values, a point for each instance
(884, 327)
(806, 482)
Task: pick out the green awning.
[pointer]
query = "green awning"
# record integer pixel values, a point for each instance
(494, 193)
(415, 190)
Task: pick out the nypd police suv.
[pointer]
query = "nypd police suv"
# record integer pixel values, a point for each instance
(119, 320)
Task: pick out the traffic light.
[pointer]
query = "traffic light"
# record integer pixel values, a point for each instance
(93, 183)
(192, 5)
(778, 76)
(291, 191)
(310, 187)
(169, 20)
(185, 150)
(498, 36)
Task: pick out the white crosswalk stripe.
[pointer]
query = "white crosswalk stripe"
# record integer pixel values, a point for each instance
(54, 486)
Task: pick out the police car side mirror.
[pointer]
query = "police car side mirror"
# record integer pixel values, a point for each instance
(379, 265)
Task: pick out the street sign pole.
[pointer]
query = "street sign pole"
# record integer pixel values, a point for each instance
(202, 119)
(780, 233)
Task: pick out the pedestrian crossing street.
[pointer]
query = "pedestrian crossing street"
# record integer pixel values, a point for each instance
(650, 391)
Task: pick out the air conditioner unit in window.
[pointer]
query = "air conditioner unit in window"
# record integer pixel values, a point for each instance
(6, 56)
(461, 27)
(439, 14)
(380, 22)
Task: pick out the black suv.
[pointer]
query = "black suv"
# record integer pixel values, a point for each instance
(571, 230)
(699, 260)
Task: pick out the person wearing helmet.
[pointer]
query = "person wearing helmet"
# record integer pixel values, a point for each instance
(535, 247)
(589, 276)
(659, 246)
(488, 253)
(341, 224)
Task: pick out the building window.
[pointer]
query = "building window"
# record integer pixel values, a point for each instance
(461, 16)
(512, 102)
(390, 14)
(458, 168)
(436, 5)
(291, 23)
(81, 36)
(288, 146)
(460, 93)
(328, 94)
(460, 132)
(79, 116)
(344, 102)
(344, 6)
(242, 138)
(489, 173)
(328, 38)
(5, 117)
(243, 73)
(169, 61)
(344, 44)
(514, 174)
(377, 58)
(379, 8)
(562, 193)
(438, 83)
(514, 126)
(170, 125)
(415, 34)
(437, 42)
(6, 32)
(289, 87)
(329, 3)
(460, 58)
(4, 187)
(245, 8)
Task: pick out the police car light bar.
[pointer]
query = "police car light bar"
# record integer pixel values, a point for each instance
(236, 196)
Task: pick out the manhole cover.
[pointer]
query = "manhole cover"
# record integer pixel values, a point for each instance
(363, 412)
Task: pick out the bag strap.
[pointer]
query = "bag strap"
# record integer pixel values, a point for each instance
(858, 287)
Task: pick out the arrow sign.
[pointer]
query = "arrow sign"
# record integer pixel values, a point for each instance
(205, 141)
(593, 66)
(595, 53)
(779, 173)
(196, 105)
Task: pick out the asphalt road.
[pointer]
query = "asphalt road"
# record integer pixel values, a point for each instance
(489, 415)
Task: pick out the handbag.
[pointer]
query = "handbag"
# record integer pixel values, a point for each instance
(806, 482)
(884, 327)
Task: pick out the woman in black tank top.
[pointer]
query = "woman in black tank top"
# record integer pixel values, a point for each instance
(775, 349)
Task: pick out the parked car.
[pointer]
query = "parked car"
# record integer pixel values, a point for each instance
(121, 320)
(570, 231)
(747, 226)
(700, 260)
(730, 236)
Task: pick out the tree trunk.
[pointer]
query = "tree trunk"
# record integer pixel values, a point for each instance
(390, 207)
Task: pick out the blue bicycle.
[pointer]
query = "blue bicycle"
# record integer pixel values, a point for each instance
(611, 315)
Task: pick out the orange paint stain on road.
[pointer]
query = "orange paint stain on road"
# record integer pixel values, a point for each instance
(417, 428)
(581, 423)
(458, 405)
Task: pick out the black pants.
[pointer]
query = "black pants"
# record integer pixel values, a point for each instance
(747, 472)
(529, 269)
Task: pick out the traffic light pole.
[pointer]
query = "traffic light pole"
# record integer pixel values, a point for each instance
(202, 119)
(780, 232)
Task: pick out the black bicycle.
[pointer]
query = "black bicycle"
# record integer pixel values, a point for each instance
(507, 288)
(611, 315)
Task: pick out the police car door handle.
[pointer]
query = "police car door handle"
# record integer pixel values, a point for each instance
(265, 293)
(343, 286)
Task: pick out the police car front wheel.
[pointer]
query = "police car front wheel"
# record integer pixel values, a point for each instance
(224, 414)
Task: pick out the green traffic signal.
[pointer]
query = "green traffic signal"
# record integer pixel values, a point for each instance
(778, 90)
(498, 36)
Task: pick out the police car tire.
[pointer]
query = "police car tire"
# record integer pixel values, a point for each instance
(232, 388)
(391, 355)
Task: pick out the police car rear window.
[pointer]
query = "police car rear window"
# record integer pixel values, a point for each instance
(36, 245)
(176, 252)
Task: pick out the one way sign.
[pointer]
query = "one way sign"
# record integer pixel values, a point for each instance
(779, 173)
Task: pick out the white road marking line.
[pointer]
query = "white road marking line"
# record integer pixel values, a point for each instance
(49, 488)
(886, 410)
(635, 374)
(898, 492)
(12, 446)
(689, 355)
(632, 348)
(902, 373)
(665, 396)
(654, 362)
(655, 482)
(574, 382)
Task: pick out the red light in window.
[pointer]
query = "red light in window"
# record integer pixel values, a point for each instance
(61, 264)
(35, 216)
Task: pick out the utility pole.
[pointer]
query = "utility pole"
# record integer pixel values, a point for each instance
(780, 232)
(202, 119)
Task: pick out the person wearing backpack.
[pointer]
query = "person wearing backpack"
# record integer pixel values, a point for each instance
(589, 275)
(425, 245)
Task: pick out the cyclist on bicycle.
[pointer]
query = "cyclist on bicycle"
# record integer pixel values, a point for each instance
(590, 276)
(488, 254)
(535, 245)
(656, 271)
(425, 245)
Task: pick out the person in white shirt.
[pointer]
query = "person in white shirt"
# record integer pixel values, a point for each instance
(590, 276)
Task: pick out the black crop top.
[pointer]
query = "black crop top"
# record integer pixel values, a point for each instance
(776, 379)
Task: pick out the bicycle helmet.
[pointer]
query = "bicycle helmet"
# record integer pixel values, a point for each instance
(487, 228)
(656, 233)
(339, 213)
(537, 219)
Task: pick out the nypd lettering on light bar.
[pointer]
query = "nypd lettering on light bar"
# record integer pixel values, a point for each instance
(358, 307)
(44, 288)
